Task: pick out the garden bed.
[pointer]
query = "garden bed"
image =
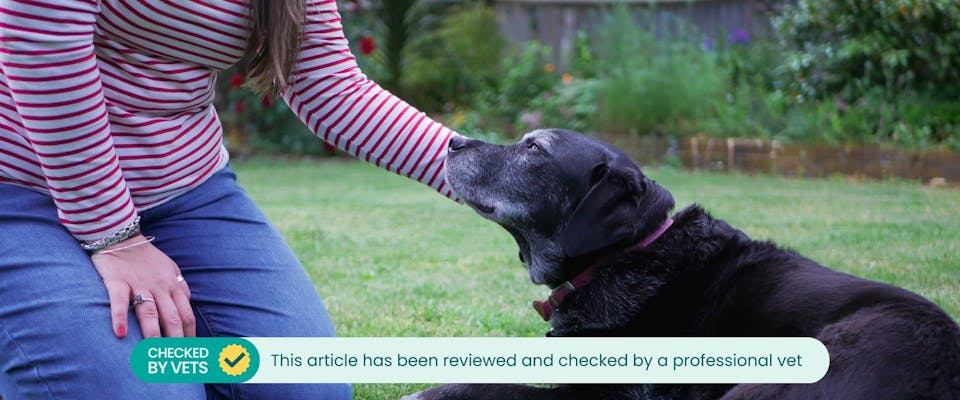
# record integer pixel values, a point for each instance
(933, 166)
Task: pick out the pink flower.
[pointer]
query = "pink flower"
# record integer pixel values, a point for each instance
(842, 105)
(352, 6)
(238, 108)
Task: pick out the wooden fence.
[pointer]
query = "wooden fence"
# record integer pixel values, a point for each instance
(556, 22)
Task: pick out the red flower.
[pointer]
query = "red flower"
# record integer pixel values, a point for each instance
(236, 80)
(266, 101)
(238, 108)
(367, 45)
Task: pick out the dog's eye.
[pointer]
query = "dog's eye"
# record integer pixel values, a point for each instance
(533, 146)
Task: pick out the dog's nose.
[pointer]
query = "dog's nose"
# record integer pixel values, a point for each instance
(457, 143)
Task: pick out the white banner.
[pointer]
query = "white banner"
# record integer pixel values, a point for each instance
(539, 360)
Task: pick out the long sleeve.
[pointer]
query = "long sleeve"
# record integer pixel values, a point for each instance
(48, 61)
(338, 103)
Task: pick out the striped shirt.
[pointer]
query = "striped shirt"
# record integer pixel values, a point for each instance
(107, 104)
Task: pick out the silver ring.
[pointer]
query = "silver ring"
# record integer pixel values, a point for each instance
(179, 278)
(140, 299)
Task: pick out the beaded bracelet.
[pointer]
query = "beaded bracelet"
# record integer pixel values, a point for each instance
(127, 232)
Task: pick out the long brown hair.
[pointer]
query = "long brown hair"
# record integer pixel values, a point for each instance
(274, 43)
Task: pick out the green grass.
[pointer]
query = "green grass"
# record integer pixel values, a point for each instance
(392, 258)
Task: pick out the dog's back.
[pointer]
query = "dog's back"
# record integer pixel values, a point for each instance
(884, 342)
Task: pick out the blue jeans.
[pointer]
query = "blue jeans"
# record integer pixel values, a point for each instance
(56, 339)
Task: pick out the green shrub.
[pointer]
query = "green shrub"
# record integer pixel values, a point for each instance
(571, 105)
(253, 123)
(654, 82)
(475, 125)
(524, 75)
(399, 22)
(365, 22)
(909, 120)
(584, 62)
(752, 63)
(854, 47)
(746, 111)
(453, 63)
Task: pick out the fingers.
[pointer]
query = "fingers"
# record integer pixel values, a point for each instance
(181, 298)
(170, 320)
(148, 316)
(185, 311)
(167, 315)
(119, 296)
(183, 286)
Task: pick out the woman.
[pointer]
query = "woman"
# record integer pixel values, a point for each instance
(115, 189)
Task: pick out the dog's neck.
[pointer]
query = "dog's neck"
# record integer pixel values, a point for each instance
(635, 285)
(546, 308)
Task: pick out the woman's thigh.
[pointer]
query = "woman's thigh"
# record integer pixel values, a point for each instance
(55, 332)
(245, 281)
(56, 338)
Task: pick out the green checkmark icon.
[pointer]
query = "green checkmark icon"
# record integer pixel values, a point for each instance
(233, 363)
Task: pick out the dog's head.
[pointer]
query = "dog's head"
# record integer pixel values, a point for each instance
(562, 195)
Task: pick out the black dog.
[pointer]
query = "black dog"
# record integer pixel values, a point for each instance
(575, 204)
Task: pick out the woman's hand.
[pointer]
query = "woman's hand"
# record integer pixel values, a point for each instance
(128, 271)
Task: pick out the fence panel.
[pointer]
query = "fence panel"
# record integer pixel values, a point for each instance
(556, 22)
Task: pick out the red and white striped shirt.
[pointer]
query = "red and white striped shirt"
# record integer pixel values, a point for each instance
(107, 105)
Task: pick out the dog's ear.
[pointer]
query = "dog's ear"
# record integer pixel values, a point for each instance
(621, 206)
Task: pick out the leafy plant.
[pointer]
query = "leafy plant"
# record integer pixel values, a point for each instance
(253, 123)
(456, 61)
(854, 47)
(475, 125)
(751, 62)
(571, 105)
(399, 23)
(650, 81)
(584, 62)
(523, 76)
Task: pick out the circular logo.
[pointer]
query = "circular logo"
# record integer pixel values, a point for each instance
(234, 359)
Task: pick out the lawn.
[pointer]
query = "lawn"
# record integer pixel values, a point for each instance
(392, 258)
